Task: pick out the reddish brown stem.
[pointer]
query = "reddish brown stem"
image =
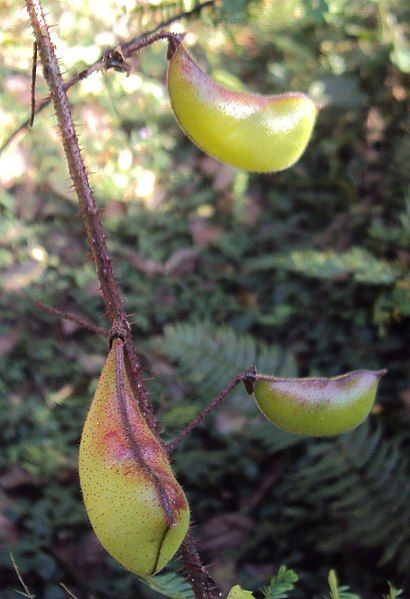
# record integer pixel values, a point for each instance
(245, 377)
(203, 585)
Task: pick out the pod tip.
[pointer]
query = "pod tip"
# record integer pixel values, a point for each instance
(380, 373)
(323, 103)
(173, 43)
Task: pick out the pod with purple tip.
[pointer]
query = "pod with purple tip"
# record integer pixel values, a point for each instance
(246, 130)
(318, 406)
(135, 505)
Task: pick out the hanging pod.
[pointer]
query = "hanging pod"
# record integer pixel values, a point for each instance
(318, 406)
(249, 131)
(136, 507)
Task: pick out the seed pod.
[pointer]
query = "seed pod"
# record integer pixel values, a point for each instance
(318, 406)
(249, 131)
(136, 507)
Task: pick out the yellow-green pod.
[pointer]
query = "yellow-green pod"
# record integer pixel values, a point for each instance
(135, 505)
(318, 407)
(249, 131)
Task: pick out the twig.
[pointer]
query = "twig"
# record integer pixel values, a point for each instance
(197, 574)
(102, 63)
(245, 377)
(82, 322)
(33, 84)
(44, 102)
(23, 584)
(69, 593)
(182, 15)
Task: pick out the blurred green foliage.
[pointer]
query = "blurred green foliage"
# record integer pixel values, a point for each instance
(304, 271)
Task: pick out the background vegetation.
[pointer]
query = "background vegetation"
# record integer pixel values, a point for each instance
(301, 272)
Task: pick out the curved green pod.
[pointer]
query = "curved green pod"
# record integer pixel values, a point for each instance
(318, 407)
(135, 505)
(246, 130)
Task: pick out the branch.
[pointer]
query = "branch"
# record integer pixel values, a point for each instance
(19, 576)
(196, 573)
(109, 60)
(247, 377)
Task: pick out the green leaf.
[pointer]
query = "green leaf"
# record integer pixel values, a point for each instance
(339, 592)
(281, 584)
(237, 593)
(393, 593)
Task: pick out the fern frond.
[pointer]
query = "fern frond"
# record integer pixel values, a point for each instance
(209, 356)
(357, 485)
(170, 585)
